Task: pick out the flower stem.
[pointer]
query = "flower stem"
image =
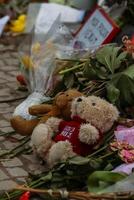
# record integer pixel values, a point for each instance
(70, 69)
(98, 151)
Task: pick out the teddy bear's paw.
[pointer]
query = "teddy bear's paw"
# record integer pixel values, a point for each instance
(41, 139)
(88, 134)
(53, 122)
(60, 152)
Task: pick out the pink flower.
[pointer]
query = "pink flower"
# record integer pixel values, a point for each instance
(127, 155)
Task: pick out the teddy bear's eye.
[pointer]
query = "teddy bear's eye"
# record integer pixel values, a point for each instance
(93, 104)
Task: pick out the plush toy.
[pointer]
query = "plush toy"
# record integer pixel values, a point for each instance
(60, 108)
(57, 139)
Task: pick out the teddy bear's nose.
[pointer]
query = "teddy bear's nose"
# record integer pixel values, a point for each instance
(79, 99)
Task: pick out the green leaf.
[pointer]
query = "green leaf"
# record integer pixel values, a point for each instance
(89, 72)
(79, 160)
(112, 93)
(69, 80)
(121, 87)
(102, 73)
(96, 164)
(99, 180)
(122, 56)
(111, 57)
(103, 56)
(126, 87)
(109, 167)
(101, 53)
(130, 71)
(47, 178)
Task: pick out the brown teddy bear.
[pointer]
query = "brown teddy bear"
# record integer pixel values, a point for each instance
(58, 139)
(60, 108)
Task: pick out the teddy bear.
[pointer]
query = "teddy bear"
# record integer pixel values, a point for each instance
(58, 139)
(60, 108)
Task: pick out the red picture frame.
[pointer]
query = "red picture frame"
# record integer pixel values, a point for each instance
(115, 27)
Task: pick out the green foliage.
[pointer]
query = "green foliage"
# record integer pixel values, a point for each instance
(109, 73)
(112, 93)
(121, 87)
(111, 57)
(99, 180)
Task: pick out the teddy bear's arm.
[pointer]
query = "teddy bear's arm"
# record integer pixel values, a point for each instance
(40, 109)
(23, 126)
(55, 112)
(53, 123)
(88, 134)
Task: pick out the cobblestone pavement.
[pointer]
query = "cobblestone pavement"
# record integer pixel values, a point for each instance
(13, 170)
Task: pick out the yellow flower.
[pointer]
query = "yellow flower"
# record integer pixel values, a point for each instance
(22, 18)
(18, 25)
(36, 47)
(27, 62)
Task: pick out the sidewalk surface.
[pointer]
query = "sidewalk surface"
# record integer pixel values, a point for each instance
(13, 170)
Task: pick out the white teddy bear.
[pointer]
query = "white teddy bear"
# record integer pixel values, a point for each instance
(57, 140)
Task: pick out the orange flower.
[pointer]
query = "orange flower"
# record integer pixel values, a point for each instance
(129, 44)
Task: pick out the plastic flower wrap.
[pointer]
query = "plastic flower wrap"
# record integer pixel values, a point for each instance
(38, 65)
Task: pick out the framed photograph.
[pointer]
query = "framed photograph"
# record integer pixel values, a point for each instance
(97, 29)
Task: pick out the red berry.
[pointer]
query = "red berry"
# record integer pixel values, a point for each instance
(25, 196)
(21, 79)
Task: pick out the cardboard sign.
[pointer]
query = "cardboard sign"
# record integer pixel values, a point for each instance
(98, 29)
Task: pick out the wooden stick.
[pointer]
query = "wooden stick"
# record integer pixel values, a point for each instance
(79, 195)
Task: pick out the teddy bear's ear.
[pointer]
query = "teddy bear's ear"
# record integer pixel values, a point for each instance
(114, 112)
(73, 93)
(56, 97)
(73, 107)
(111, 115)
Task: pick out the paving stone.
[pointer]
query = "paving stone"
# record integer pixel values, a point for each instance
(17, 172)
(10, 47)
(18, 167)
(8, 116)
(8, 68)
(17, 136)
(6, 55)
(6, 110)
(10, 78)
(15, 162)
(3, 176)
(7, 129)
(4, 123)
(32, 158)
(2, 81)
(16, 103)
(35, 168)
(4, 91)
(13, 85)
(1, 63)
(13, 61)
(2, 46)
(14, 54)
(21, 180)
(37, 172)
(9, 145)
(2, 74)
(2, 138)
(14, 73)
(4, 105)
(7, 185)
